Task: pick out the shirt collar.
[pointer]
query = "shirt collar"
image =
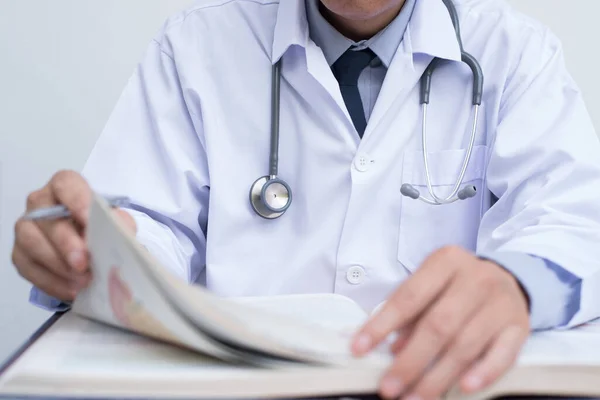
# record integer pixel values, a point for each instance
(333, 44)
(430, 30)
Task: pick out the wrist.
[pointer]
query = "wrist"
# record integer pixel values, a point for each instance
(514, 280)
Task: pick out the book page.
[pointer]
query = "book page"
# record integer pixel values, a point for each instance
(79, 346)
(331, 311)
(248, 326)
(78, 355)
(592, 327)
(120, 294)
(579, 346)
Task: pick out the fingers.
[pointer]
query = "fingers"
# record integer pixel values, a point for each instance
(68, 189)
(434, 331)
(43, 278)
(61, 235)
(500, 357)
(67, 241)
(407, 302)
(71, 190)
(118, 286)
(469, 345)
(52, 254)
(120, 296)
(455, 306)
(29, 238)
(401, 339)
(56, 244)
(127, 219)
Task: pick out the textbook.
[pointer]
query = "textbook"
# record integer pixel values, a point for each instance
(139, 332)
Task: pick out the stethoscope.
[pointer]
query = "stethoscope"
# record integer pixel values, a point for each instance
(271, 196)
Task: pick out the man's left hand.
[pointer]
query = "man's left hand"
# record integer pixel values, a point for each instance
(460, 320)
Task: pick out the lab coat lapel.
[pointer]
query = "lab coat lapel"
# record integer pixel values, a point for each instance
(319, 69)
(429, 34)
(309, 75)
(403, 74)
(305, 66)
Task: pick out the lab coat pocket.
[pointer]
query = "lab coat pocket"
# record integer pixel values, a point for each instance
(425, 228)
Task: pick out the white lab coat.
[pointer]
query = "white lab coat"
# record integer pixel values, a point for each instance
(191, 133)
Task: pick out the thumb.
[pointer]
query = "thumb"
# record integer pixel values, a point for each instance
(127, 219)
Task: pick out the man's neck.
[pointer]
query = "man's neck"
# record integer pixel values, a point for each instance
(358, 30)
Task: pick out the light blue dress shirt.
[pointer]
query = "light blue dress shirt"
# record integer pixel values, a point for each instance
(554, 293)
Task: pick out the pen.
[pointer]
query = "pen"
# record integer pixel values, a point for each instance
(58, 212)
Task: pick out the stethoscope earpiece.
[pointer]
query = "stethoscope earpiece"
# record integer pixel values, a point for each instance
(408, 190)
(465, 193)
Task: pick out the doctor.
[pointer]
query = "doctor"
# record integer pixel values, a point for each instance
(324, 100)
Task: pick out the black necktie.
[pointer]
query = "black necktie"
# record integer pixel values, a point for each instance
(347, 69)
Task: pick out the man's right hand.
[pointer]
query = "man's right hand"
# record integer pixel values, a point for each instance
(53, 255)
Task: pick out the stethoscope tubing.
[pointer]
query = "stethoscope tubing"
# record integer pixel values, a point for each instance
(265, 202)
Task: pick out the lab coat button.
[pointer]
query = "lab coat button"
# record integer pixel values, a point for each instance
(362, 163)
(355, 275)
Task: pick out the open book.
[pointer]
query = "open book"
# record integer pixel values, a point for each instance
(139, 332)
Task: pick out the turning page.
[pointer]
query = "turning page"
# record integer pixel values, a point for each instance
(122, 295)
(130, 289)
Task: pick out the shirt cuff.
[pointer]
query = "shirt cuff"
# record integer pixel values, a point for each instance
(42, 300)
(554, 293)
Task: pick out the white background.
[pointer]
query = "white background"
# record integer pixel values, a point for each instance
(63, 64)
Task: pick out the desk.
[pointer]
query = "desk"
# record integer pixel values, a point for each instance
(46, 325)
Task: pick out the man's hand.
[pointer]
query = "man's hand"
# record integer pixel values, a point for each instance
(120, 296)
(53, 255)
(459, 319)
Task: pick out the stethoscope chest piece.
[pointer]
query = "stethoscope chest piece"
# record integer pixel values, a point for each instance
(270, 197)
